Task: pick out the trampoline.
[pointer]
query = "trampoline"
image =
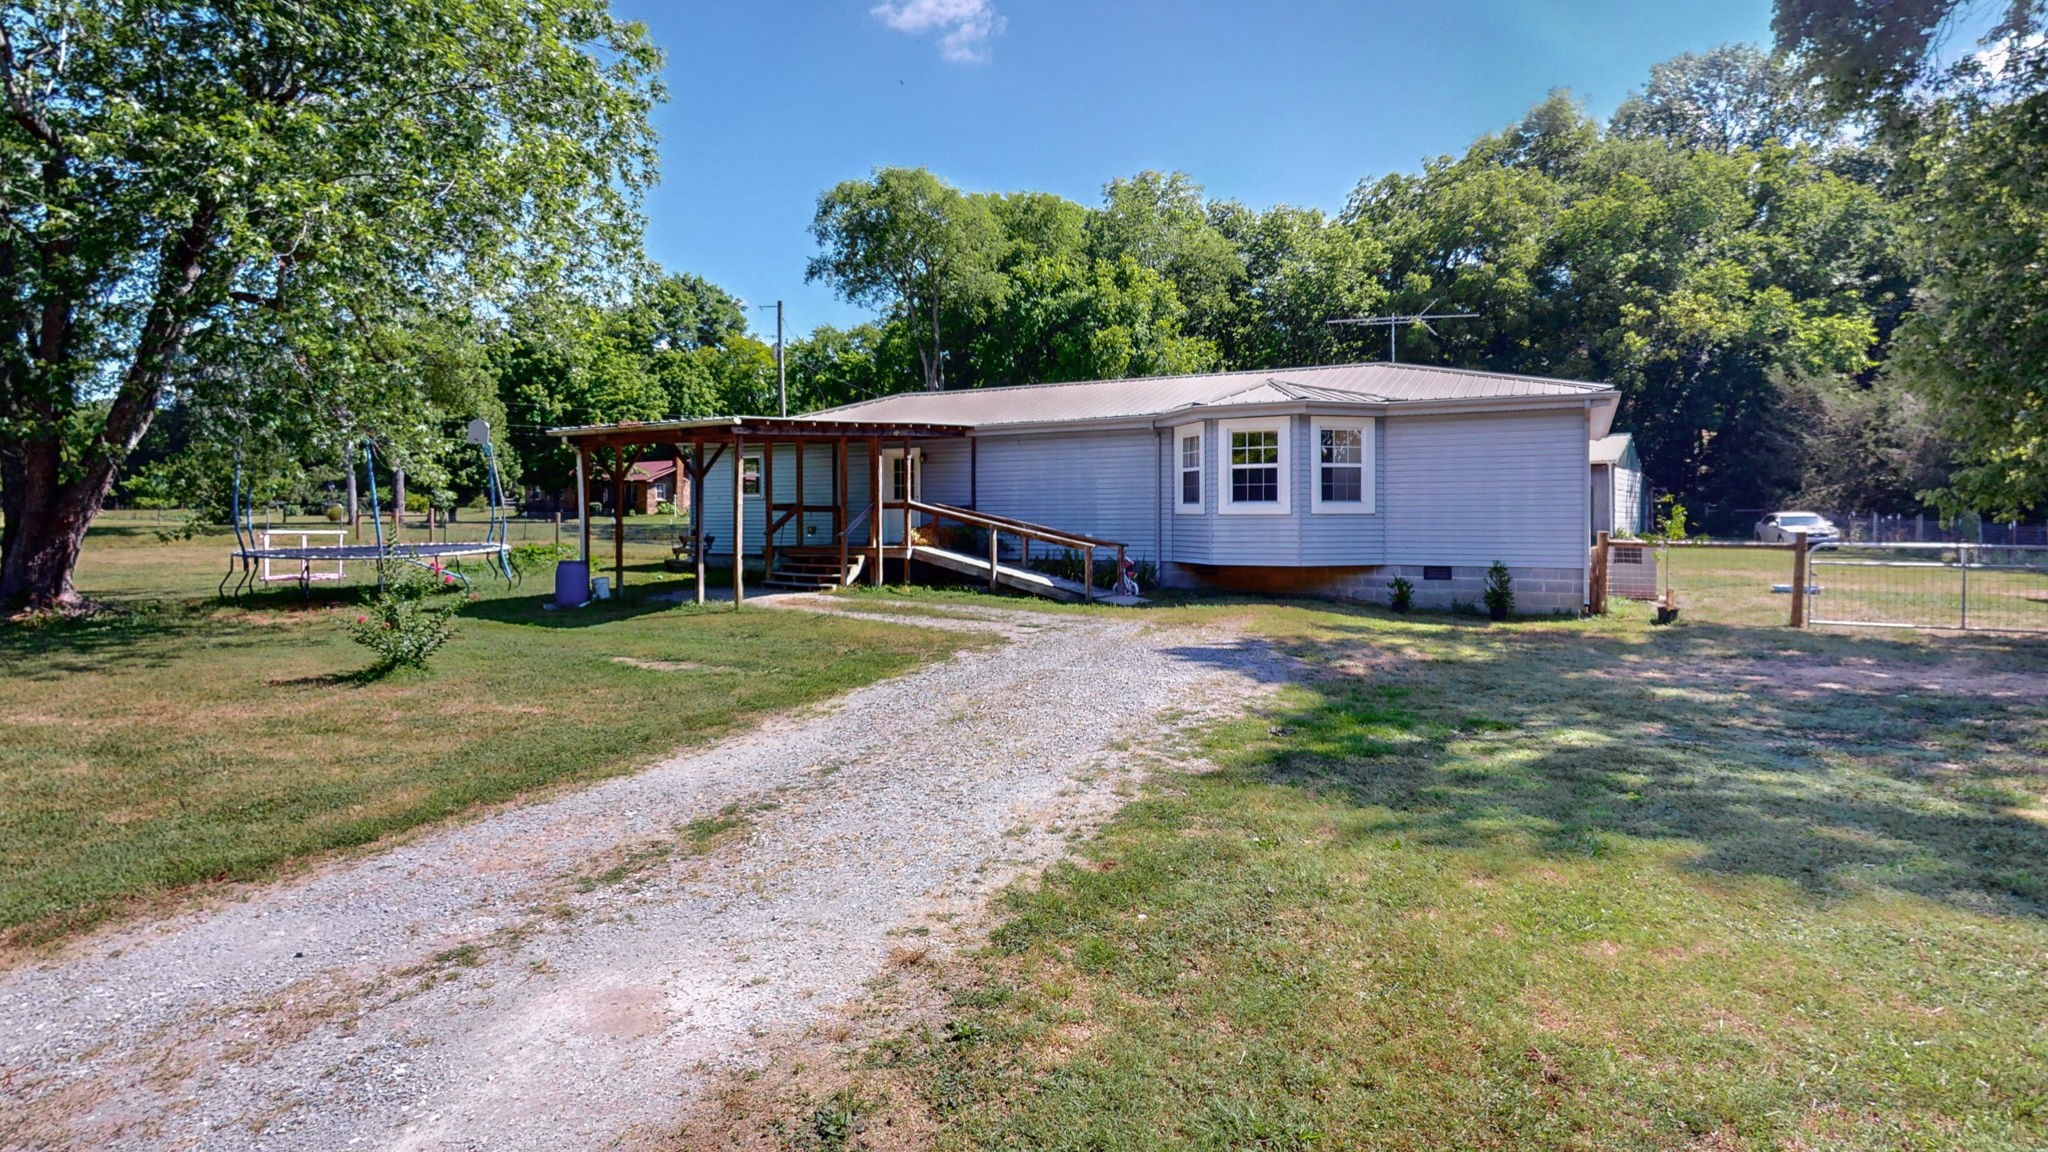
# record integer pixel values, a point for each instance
(264, 556)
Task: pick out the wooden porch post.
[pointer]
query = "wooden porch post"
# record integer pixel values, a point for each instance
(618, 520)
(583, 509)
(839, 508)
(909, 518)
(739, 520)
(875, 509)
(697, 471)
(799, 519)
(768, 505)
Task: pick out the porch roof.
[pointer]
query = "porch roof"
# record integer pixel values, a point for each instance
(725, 429)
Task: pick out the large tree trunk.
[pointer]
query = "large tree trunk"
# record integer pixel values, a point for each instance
(47, 514)
(46, 523)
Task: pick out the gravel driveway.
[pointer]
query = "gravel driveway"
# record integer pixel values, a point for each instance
(565, 974)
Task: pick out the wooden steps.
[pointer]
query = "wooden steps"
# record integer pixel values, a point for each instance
(813, 569)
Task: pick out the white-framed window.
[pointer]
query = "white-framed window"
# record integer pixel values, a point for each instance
(1252, 478)
(750, 472)
(1342, 479)
(1187, 460)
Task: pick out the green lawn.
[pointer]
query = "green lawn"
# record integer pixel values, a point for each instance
(1733, 586)
(184, 741)
(1549, 885)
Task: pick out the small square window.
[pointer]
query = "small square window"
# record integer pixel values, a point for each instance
(1436, 572)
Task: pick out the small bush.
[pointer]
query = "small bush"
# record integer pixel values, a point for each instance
(1500, 590)
(528, 558)
(1067, 565)
(1400, 593)
(412, 616)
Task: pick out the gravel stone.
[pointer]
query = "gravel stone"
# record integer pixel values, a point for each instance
(548, 976)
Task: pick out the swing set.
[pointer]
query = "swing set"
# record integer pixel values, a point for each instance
(265, 556)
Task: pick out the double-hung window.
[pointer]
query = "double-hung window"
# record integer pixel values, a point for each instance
(1343, 479)
(1187, 450)
(1254, 473)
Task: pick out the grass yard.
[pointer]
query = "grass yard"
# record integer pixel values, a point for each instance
(186, 742)
(1549, 885)
(1733, 586)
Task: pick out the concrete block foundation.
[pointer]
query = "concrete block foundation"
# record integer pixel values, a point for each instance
(1538, 591)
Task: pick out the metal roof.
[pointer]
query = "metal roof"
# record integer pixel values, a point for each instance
(1608, 449)
(1373, 383)
(719, 429)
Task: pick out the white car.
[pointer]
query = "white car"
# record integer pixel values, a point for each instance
(1784, 527)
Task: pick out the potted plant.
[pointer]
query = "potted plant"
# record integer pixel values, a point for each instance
(1400, 593)
(1500, 591)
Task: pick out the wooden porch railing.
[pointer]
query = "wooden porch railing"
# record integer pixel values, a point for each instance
(1024, 530)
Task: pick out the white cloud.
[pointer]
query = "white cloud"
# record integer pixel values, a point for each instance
(968, 25)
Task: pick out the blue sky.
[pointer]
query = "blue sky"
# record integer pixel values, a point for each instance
(775, 100)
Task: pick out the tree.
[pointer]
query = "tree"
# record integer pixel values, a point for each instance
(906, 241)
(232, 202)
(1975, 180)
(1732, 97)
(560, 363)
(1160, 220)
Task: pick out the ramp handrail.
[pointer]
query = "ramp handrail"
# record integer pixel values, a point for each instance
(1024, 529)
(1008, 524)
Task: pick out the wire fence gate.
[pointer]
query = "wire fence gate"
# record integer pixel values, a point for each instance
(1949, 587)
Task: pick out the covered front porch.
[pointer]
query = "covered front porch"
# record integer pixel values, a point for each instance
(822, 504)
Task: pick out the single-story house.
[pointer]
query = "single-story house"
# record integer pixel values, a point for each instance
(650, 483)
(1326, 480)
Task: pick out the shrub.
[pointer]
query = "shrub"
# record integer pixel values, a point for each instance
(411, 617)
(1500, 590)
(528, 558)
(1400, 593)
(1068, 566)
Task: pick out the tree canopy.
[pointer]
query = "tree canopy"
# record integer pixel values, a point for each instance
(1972, 141)
(254, 207)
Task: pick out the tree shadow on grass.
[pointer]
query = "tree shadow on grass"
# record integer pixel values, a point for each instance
(147, 633)
(1757, 745)
(537, 611)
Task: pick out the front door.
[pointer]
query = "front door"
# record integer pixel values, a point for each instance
(905, 481)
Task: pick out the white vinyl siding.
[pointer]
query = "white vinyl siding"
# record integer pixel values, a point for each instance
(1468, 490)
(1101, 484)
(1252, 473)
(715, 502)
(1342, 465)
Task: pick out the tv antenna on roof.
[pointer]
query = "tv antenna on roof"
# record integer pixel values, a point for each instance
(1393, 323)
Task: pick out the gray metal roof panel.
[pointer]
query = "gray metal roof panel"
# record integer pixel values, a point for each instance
(1373, 383)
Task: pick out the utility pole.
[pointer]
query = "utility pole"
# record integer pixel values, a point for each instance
(781, 375)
